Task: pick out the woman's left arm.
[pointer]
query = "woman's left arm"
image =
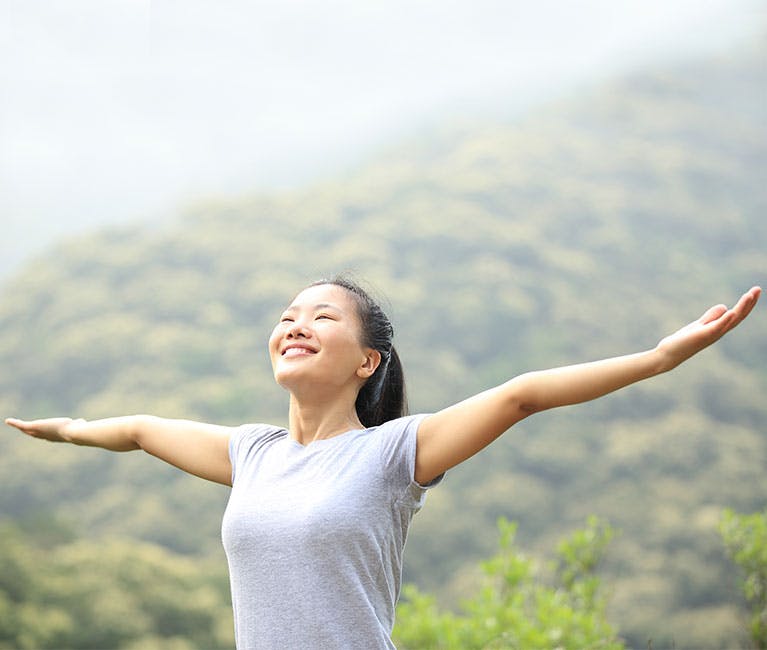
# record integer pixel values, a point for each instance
(456, 433)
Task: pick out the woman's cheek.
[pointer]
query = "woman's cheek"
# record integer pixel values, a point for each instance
(274, 340)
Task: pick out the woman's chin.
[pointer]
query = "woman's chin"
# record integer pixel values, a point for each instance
(293, 381)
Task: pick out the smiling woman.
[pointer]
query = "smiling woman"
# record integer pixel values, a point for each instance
(318, 515)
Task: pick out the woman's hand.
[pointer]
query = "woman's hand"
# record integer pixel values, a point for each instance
(53, 429)
(708, 329)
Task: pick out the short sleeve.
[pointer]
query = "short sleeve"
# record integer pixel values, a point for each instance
(398, 440)
(246, 441)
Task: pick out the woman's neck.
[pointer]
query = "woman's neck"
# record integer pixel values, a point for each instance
(321, 419)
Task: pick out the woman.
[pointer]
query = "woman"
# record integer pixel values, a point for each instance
(319, 512)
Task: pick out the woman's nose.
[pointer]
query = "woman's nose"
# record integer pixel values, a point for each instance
(297, 329)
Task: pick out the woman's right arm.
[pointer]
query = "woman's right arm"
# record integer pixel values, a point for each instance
(197, 448)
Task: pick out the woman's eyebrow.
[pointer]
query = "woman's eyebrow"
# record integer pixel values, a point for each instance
(317, 307)
(326, 305)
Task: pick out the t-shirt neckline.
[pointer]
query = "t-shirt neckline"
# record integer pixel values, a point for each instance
(321, 442)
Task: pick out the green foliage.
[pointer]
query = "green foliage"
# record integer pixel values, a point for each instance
(745, 537)
(514, 608)
(111, 594)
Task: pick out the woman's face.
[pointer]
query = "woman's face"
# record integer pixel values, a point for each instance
(317, 342)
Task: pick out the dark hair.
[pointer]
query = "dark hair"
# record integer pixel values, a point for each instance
(382, 397)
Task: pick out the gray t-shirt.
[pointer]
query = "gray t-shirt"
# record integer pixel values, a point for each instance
(314, 535)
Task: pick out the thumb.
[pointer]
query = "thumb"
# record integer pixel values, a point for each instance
(712, 314)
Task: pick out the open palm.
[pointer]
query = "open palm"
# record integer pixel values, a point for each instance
(709, 328)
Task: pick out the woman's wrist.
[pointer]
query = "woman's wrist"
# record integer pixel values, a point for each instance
(663, 360)
(116, 434)
(70, 430)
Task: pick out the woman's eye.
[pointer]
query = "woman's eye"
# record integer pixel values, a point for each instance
(285, 319)
(322, 316)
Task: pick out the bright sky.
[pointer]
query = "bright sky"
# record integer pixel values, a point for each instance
(119, 109)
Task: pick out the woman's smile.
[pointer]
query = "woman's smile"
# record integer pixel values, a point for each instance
(297, 350)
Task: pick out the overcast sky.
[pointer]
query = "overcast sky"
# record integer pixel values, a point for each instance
(121, 109)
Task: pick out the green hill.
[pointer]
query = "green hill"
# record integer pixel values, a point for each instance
(588, 229)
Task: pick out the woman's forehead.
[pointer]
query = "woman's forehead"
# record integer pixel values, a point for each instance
(326, 295)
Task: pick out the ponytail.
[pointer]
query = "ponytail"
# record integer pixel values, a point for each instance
(382, 397)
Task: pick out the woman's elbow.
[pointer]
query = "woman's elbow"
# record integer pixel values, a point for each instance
(521, 397)
(138, 426)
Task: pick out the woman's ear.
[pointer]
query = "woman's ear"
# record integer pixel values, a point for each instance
(371, 363)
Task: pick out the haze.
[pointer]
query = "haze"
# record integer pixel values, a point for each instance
(126, 109)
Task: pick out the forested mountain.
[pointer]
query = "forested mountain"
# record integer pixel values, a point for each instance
(590, 228)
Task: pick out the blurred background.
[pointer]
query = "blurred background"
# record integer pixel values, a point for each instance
(527, 183)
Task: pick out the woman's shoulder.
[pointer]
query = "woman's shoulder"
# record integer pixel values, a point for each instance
(260, 429)
(255, 434)
(402, 424)
(395, 434)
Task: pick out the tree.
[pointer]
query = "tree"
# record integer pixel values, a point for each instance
(514, 608)
(745, 537)
(108, 594)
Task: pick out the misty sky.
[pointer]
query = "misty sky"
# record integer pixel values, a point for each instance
(120, 109)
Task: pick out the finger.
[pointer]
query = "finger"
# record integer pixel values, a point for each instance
(712, 314)
(23, 425)
(27, 427)
(747, 302)
(742, 308)
(18, 424)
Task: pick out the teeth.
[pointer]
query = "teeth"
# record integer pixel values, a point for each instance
(296, 352)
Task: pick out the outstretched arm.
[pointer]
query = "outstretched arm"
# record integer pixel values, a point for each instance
(198, 448)
(454, 434)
